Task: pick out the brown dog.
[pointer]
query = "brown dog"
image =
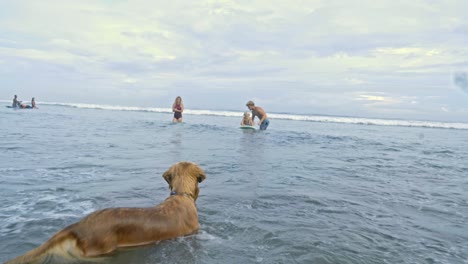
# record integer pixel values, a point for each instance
(103, 232)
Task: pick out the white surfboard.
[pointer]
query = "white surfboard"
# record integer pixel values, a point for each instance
(247, 127)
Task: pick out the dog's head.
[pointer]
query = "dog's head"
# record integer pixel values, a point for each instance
(183, 177)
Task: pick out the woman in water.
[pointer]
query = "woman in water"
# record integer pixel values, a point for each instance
(177, 108)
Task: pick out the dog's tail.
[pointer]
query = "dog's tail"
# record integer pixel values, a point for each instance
(62, 246)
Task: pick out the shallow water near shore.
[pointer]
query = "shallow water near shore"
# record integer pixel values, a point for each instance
(299, 192)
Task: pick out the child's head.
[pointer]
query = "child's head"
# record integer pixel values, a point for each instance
(246, 114)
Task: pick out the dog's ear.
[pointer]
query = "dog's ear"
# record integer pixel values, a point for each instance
(168, 177)
(202, 176)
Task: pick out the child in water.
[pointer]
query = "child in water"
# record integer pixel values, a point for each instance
(247, 120)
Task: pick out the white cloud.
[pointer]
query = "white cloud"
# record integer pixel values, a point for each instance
(398, 53)
(374, 98)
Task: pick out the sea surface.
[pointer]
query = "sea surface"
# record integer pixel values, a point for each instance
(310, 189)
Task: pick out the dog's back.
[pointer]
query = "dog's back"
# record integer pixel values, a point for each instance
(103, 232)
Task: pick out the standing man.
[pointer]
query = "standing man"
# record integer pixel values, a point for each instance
(257, 111)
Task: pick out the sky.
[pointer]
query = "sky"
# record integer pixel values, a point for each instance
(367, 58)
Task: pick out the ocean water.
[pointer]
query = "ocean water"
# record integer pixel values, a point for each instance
(310, 189)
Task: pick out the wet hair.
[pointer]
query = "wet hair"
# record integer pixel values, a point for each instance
(250, 103)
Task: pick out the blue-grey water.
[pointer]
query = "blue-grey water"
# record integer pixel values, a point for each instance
(299, 192)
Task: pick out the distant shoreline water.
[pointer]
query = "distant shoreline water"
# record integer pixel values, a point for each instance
(284, 116)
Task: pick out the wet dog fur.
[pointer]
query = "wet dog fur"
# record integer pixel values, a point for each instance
(103, 232)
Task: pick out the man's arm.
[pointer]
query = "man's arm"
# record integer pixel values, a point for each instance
(262, 113)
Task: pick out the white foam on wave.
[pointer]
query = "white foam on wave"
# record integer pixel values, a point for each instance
(295, 117)
(10, 169)
(112, 107)
(29, 206)
(205, 236)
(370, 121)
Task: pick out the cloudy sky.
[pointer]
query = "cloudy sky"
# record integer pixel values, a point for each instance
(368, 58)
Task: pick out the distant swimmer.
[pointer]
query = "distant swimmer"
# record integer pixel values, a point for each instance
(16, 103)
(257, 111)
(177, 108)
(247, 120)
(33, 103)
(32, 106)
(19, 104)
